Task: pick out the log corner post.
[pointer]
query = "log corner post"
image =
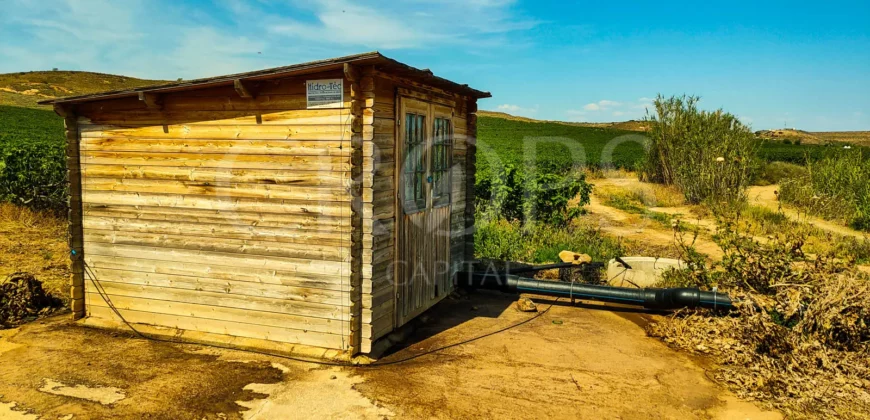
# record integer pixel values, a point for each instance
(74, 206)
(356, 250)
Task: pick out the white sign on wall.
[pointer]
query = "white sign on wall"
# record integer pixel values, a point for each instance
(327, 93)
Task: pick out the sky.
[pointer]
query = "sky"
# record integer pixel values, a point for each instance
(796, 64)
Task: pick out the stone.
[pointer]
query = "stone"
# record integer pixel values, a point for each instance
(526, 305)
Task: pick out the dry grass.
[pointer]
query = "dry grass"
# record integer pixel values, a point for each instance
(599, 173)
(861, 138)
(26, 88)
(642, 195)
(34, 242)
(800, 339)
(631, 125)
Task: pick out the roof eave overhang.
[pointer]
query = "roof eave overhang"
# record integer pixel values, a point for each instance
(372, 58)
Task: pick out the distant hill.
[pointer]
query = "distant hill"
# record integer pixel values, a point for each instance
(631, 125)
(25, 89)
(784, 135)
(795, 136)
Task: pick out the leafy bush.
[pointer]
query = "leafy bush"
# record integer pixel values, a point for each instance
(837, 187)
(708, 155)
(774, 172)
(32, 158)
(511, 194)
(504, 240)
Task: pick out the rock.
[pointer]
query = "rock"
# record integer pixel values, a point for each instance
(573, 257)
(526, 305)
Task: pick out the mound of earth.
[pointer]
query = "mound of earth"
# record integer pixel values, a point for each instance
(791, 135)
(22, 299)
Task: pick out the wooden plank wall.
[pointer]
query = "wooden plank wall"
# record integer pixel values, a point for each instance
(222, 214)
(379, 157)
(381, 316)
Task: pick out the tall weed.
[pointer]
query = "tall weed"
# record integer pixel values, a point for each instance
(504, 240)
(709, 156)
(836, 187)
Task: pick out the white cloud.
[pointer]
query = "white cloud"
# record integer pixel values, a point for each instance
(518, 110)
(602, 105)
(169, 39)
(372, 25)
(618, 113)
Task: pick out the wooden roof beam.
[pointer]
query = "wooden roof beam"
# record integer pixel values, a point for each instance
(351, 73)
(151, 100)
(244, 89)
(64, 110)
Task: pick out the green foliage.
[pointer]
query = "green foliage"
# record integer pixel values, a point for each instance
(513, 195)
(796, 153)
(32, 158)
(554, 147)
(709, 155)
(504, 240)
(774, 172)
(836, 187)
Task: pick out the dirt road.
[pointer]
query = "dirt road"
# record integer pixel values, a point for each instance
(573, 362)
(766, 197)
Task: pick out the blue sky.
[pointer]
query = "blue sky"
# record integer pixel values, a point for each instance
(802, 64)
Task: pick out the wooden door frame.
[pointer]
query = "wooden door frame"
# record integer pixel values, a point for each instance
(402, 95)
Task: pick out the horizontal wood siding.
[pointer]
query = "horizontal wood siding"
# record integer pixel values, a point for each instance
(223, 215)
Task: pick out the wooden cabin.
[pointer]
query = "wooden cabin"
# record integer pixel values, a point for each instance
(313, 208)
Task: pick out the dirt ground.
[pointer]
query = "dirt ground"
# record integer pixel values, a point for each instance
(34, 242)
(572, 362)
(766, 197)
(650, 238)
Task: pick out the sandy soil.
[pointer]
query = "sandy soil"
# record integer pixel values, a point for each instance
(571, 362)
(766, 197)
(34, 242)
(647, 233)
(655, 236)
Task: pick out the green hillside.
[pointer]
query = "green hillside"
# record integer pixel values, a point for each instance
(32, 163)
(556, 146)
(25, 89)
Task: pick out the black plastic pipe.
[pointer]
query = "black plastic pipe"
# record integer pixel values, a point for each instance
(674, 298)
(529, 269)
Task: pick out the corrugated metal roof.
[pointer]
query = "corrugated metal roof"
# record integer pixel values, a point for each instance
(375, 58)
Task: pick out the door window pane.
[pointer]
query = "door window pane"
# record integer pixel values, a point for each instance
(414, 167)
(442, 150)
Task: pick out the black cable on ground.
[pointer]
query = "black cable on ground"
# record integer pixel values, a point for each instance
(99, 288)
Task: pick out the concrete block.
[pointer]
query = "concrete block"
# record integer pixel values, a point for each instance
(644, 272)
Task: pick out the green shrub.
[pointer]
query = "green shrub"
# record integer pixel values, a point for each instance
(32, 158)
(511, 194)
(774, 172)
(533, 242)
(836, 187)
(709, 156)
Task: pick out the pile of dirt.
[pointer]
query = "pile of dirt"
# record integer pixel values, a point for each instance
(22, 299)
(800, 339)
